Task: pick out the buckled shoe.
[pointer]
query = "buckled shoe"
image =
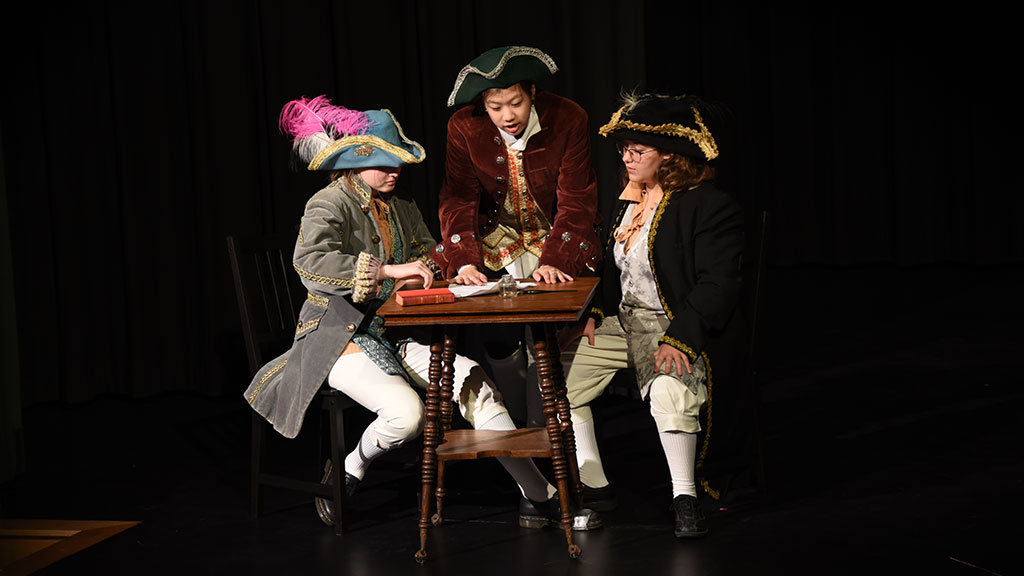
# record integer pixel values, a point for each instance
(533, 514)
(324, 506)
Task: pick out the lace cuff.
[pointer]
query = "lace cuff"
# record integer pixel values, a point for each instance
(367, 270)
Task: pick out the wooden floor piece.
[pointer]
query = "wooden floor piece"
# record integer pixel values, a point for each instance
(28, 545)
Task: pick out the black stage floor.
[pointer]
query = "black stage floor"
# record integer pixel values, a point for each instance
(902, 463)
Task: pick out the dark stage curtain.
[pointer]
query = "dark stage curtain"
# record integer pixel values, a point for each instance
(136, 136)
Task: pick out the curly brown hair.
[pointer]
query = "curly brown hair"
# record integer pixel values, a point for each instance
(678, 172)
(681, 172)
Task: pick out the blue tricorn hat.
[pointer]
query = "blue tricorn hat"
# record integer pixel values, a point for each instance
(329, 137)
(500, 68)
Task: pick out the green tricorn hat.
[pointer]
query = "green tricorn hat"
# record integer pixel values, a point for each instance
(500, 68)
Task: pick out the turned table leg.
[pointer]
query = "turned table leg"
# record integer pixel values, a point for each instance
(432, 436)
(564, 417)
(547, 357)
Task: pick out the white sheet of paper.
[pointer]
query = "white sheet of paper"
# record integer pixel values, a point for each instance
(487, 288)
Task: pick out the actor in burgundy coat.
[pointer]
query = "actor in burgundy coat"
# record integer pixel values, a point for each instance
(519, 197)
(518, 176)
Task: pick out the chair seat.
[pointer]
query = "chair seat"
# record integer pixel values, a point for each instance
(474, 444)
(327, 393)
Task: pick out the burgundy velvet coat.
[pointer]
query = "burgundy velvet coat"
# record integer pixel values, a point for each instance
(559, 176)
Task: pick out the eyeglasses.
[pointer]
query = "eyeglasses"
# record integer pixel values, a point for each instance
(634, 154)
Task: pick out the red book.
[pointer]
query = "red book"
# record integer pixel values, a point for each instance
(424, 296)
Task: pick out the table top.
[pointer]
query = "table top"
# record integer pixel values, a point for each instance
(559, 302)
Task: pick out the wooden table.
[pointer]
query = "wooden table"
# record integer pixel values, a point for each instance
(559, 303)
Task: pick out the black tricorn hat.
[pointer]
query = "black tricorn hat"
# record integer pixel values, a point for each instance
(672, 123)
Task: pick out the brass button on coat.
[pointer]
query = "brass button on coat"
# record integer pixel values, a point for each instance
(351, 327)
(375, 238)
(500, 159)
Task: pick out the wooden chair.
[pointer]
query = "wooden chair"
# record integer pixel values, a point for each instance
(269, 296)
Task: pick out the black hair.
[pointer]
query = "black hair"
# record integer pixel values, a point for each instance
(478, 100)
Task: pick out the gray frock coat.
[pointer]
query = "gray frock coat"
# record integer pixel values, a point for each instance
(337, 254)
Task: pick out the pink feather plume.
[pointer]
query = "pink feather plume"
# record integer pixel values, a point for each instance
(306, 117)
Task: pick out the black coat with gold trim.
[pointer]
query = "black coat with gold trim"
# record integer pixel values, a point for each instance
(695, 249)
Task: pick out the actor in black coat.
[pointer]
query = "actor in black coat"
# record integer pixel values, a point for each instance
(671, 276)
(697, 243)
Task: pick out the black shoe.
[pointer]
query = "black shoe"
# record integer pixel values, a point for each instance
(600, 499)
(690, 521)
(534, 514)
(324, 506)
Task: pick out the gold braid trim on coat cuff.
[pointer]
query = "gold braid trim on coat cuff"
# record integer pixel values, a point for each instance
(679, 346)
(367, 269)
(597, 314)
(434, 268)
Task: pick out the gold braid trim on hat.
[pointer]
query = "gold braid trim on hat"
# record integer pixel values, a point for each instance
(701, 138)
(509, 54)
(375, 141)
(401, 134)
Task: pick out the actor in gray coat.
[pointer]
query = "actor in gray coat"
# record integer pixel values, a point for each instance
(357, 242)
